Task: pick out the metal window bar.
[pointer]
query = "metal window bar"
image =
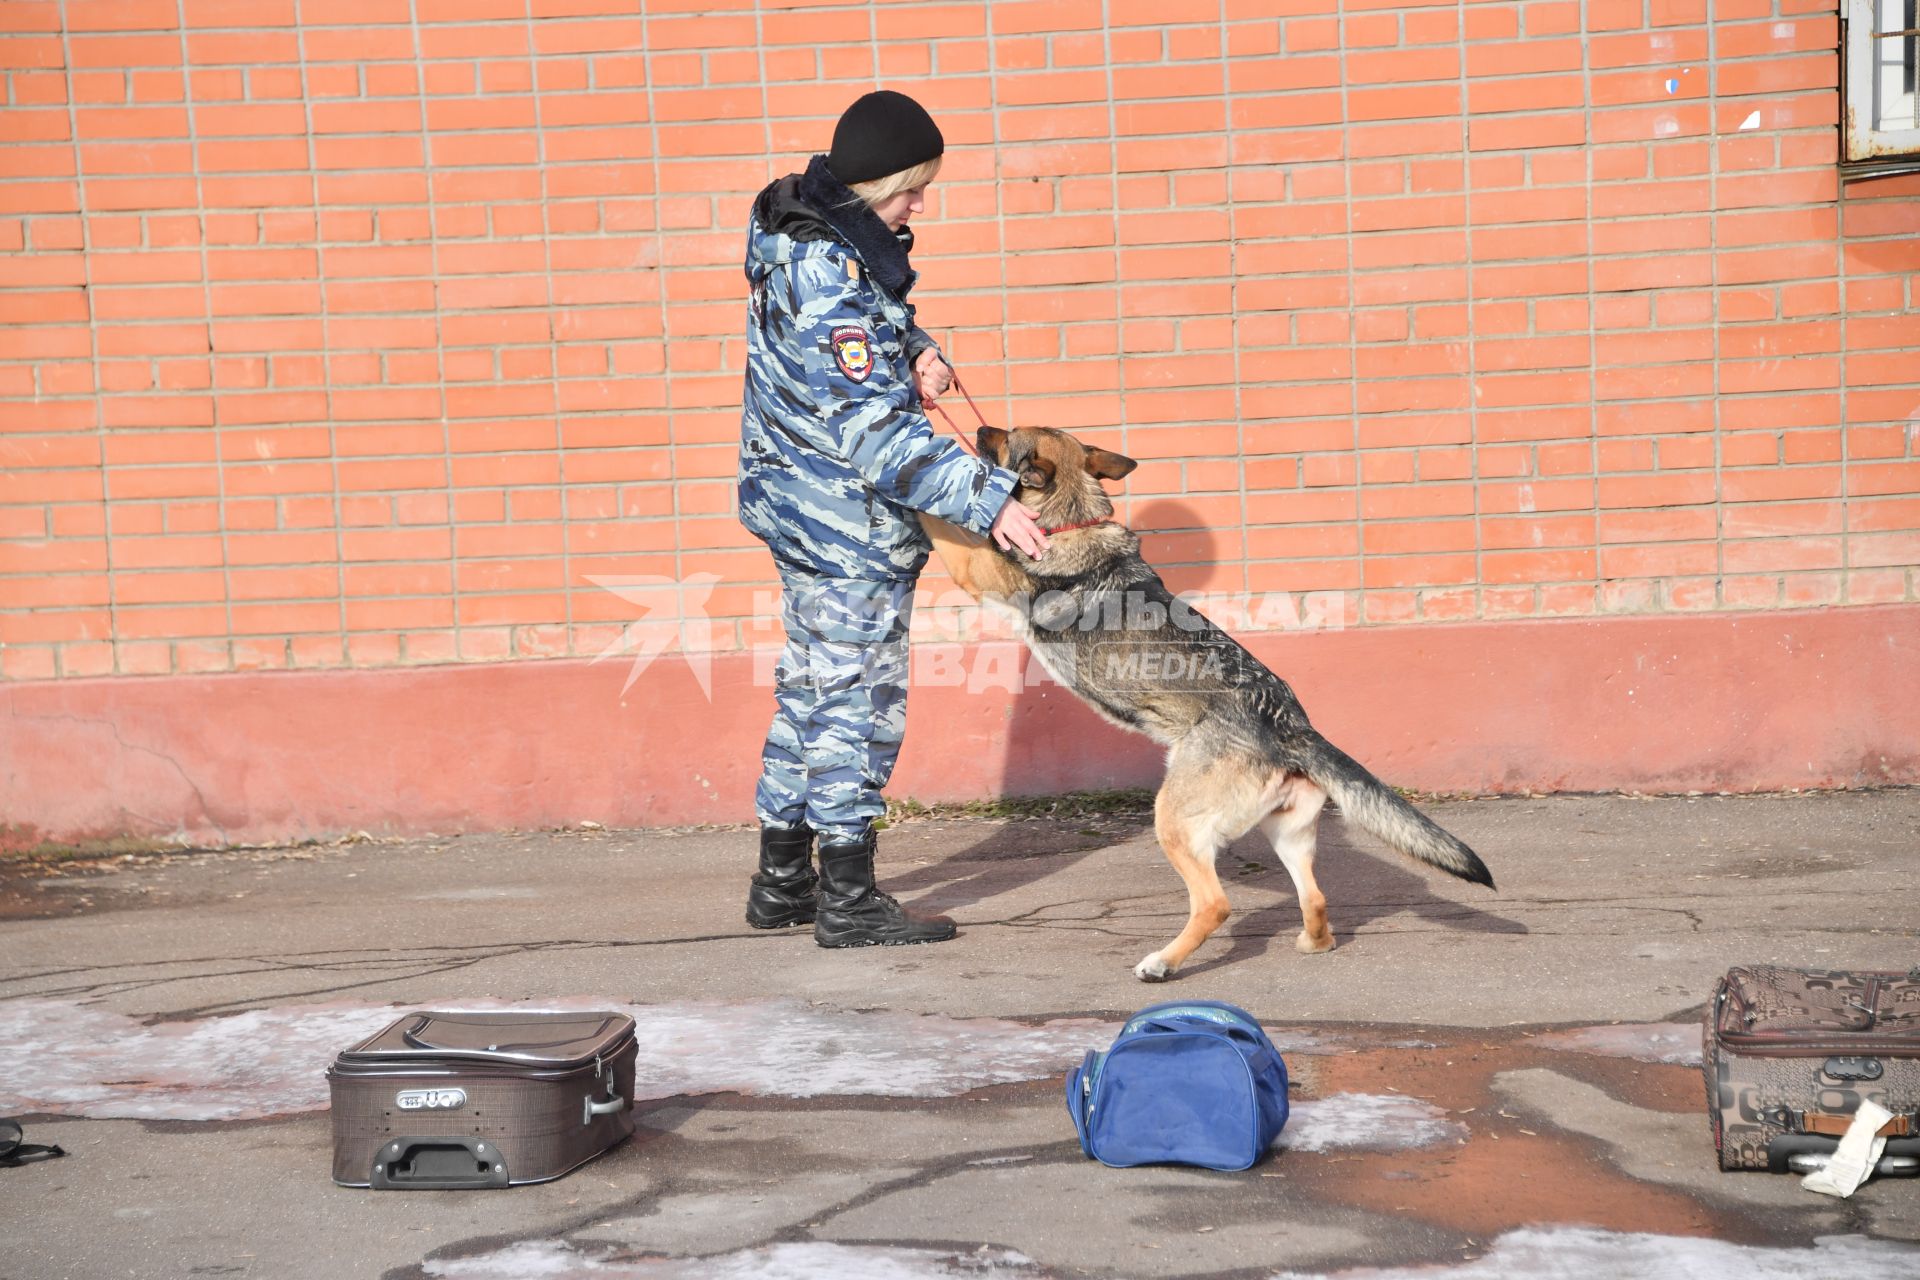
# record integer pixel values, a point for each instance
(1908, 37)
(1880, 108)
(1913, 46)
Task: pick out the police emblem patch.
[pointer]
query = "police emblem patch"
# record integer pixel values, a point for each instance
(853, 351)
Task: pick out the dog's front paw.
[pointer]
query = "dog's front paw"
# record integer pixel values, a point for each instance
(1152, 969)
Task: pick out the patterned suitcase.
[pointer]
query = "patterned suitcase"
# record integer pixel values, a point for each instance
(1790, 1054)
(441, 1101)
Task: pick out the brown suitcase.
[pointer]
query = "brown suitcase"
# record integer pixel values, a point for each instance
(1790, 1054)
(441, 1101)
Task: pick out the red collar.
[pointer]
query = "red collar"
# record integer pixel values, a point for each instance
(1084, 524)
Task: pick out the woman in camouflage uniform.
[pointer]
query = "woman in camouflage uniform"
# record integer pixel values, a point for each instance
(836, 456)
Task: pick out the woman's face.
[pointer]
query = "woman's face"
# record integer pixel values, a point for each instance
(896, 209)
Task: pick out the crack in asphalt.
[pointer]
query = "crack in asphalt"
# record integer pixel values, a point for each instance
(401, 966)
(1128, 918)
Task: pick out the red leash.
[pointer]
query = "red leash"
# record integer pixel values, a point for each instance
(963, 391)
(938, 408)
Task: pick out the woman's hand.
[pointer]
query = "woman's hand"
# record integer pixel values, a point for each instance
(932, 376)
(1015, 526)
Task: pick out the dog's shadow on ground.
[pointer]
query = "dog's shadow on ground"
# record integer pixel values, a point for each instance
(1013, 856)
(1363, 886)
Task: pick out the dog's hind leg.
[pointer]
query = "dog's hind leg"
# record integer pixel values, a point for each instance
(1293, 827)
(1198, 812)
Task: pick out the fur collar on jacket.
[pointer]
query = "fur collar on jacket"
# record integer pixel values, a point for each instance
(883, 252)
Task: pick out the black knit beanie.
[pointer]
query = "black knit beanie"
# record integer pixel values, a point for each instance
(882, 133)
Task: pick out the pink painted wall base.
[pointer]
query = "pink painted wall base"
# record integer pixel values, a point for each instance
(1737, 702)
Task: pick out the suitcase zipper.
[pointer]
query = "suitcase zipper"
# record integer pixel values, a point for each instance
(1786, 1044)
(1819, 1042)
(1781, 1044)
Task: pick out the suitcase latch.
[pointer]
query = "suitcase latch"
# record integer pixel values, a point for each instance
(1853, 1068)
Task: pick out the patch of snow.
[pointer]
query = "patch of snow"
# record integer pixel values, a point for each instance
(71, 1060)
(68, 1059)
(1580, 1253)
(1677, 1042)
(557, 1260)
(1372, 1121)
(782, 1048)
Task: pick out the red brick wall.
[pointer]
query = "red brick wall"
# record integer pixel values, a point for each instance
(360, 332)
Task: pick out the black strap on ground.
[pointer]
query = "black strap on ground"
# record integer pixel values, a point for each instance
(14, 1152)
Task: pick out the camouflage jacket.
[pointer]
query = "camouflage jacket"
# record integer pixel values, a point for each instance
(835, 452)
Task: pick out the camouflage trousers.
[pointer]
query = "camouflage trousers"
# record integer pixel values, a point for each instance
(840, 703)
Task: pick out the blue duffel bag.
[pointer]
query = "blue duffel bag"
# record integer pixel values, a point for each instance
(1187, 1082)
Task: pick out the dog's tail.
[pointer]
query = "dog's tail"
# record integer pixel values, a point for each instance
(1379, 810)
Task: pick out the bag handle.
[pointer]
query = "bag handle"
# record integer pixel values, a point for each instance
(1833, 1125)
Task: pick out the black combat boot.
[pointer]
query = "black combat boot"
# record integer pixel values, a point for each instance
(853, 913)
(782, 892)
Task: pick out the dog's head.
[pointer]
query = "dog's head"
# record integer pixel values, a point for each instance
(1059, 477)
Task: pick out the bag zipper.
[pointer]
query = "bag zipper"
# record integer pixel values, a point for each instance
(1819, 1042)
(1200, 1012)
(1785, 1044)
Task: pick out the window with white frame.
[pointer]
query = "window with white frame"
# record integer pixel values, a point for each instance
(1881, 116)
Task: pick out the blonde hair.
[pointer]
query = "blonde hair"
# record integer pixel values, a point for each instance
(893, 184)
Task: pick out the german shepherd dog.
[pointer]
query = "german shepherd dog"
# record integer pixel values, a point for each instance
(1240, 752)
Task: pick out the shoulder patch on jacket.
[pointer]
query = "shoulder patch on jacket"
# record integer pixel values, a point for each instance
(853, 350)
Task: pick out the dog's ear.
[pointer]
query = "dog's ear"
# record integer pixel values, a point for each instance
(1037, 474)
(1017, 448)
(1108, 465)
(990, 441)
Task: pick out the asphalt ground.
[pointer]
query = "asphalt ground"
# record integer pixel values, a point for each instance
(1487, 1085)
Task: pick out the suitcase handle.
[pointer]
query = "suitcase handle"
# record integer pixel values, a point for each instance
(437, 1164)
(613, 1105)
(1834, 1126)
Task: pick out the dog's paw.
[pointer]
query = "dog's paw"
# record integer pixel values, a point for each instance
(1152, 969)
(1307, 944)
